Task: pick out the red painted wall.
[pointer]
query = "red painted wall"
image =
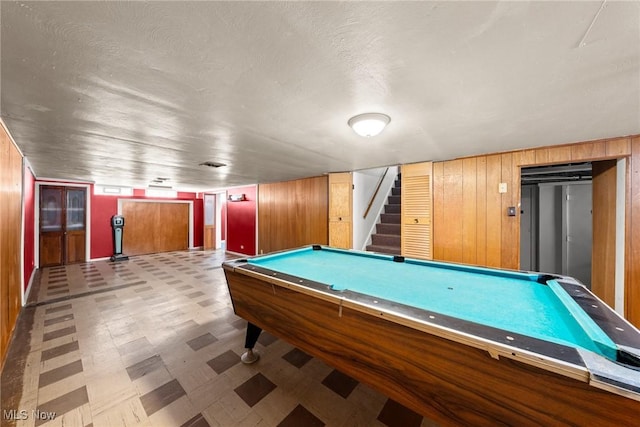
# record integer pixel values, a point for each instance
(104, 207)
(241, 222)
(29, 227)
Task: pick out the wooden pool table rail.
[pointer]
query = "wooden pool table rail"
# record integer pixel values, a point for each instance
(443, 374)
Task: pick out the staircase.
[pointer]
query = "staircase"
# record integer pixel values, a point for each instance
(386, 239)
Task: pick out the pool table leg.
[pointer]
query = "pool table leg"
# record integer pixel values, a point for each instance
(253, 332)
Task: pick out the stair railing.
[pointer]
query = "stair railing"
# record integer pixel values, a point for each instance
(375, 193)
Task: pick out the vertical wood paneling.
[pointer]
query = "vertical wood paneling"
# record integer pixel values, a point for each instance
(10, 232)
(632, 273)
(469, 210)
(494, 211)
(481, 209)
(510, 225)
(452, 206)
(619, 147)
(561, 154)
(439, 238)
(152, 227)
(588, 151)
(497, 236)
(604, 231)
(292, 214)
(524, 157)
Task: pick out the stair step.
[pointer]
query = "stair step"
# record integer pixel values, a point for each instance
(394, 209)
(388, 229)
(395, 191)
(392, 250)
(390, 218)
(393, 200)
(385, 240)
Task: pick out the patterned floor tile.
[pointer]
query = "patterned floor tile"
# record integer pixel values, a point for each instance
(300, 416)
(122, 346)
(255, 389)
(161, 397)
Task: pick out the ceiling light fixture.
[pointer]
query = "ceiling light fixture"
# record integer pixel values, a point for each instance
(369, 124)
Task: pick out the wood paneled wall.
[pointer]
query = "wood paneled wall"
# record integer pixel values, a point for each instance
(470, 214)
(632, 264)
(292, 214)
(10, 231)
(153, 227)
(604, 230)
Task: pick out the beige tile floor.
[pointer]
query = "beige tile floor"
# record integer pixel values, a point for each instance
(153, 341)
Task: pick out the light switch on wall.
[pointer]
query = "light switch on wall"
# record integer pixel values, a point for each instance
(502, 187)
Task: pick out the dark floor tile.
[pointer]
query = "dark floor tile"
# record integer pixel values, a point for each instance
(197, 421)
(58, 292)
(300, 416)
(55, 281)
(201, 341)
(195, 294)
(255, 389)
(340, 383)
(297, 358)
(59, 333)
(57, 309)
(60, 319)
(60, 373)
(394, 414)
(106, 298)
(144, 367)
(59, 351)
(183, 287)
(162, 396)
(223, 362)
(65, 403)
(52, 287)
(207, 302)
(126, 273)
(146, 288)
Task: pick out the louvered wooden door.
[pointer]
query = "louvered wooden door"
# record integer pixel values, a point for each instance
(416, 218)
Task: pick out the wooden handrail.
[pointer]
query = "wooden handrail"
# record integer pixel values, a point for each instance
(375, 193)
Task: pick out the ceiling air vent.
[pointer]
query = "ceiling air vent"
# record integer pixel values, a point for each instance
(213, 164)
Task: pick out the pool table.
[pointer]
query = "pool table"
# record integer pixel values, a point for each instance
(459, 344)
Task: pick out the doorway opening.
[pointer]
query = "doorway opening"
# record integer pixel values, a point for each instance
(556, 224)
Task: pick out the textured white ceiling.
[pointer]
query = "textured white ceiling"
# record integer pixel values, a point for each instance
(124, 92)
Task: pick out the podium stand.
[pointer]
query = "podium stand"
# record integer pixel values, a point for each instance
(117, 223)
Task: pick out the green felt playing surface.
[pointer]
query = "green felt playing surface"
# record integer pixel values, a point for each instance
(512, 301)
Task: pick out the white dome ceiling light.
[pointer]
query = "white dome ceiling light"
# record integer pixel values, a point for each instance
(369, 124)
